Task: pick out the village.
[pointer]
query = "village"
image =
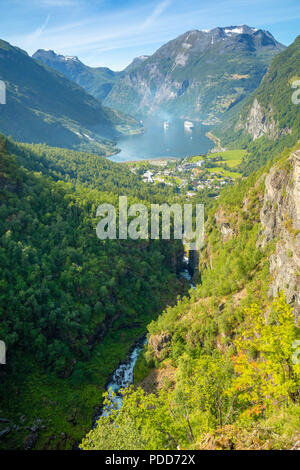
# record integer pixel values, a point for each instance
(191, 175)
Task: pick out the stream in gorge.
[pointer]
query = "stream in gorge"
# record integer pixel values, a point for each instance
(123, 375)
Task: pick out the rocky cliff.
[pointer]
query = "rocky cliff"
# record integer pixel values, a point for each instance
(280, 218)
(260, 122)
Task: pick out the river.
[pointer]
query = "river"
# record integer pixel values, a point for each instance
(159, 141)
(123, 375)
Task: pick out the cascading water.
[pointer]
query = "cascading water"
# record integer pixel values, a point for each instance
(122, 377)
(186, 272)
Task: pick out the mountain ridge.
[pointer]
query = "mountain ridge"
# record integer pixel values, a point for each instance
(43, 105)
(198, 75)
(98, 81)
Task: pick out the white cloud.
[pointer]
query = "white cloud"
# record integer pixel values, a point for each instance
(157, 12)
(36, 34)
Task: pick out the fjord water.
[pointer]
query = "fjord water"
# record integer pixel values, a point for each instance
(159, 142)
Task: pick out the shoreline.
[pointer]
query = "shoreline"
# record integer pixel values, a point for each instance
(151, 160)
(216, 141)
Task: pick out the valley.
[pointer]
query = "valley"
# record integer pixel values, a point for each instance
(201, 347)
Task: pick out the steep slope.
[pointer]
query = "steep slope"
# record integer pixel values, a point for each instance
(221, 370)
(199, 75)
(97, 81)
(82, 168)
(272, 111)
(270, 120)
(135, 63)
(44, 106)
(280, 218)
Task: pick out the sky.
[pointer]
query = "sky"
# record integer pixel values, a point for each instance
(112, 33)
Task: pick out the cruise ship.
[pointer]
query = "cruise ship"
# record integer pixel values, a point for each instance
(188, 125)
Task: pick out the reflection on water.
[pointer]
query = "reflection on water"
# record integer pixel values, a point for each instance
(161, 140)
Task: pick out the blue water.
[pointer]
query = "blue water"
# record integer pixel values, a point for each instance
(156, 142)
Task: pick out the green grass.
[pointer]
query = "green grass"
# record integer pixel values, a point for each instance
(232, 158)
(196, 158)
(170, 179)
(221, 171)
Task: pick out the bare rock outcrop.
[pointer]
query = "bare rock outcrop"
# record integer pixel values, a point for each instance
(260, 123)
(221, 220)
(280, 218)
(157, 344)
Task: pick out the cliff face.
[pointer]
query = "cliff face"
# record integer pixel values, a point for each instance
(280, 218)
(260, 122)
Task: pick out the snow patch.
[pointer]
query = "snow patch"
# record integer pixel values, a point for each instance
(234, 30)
(238, 30)
(70, 57)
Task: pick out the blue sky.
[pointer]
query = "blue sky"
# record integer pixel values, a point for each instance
(112, 32)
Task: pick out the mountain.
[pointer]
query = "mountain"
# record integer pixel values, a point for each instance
(43, 105)
(269, 120)
(97, 81)
(136, 62)
(199, 75)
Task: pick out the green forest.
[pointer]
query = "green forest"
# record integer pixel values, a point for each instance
(219, 367)
(62, 289)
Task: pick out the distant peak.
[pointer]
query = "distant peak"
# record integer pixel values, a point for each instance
(137, 61)
(47, 51)
(231, 30)
(53, 54)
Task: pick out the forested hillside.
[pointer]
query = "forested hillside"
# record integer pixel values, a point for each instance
(86, 169)
(71, 305)
(43, 106)
(270, 120)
